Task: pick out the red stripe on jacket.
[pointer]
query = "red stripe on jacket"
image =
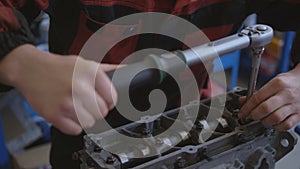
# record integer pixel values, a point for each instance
(8, 20)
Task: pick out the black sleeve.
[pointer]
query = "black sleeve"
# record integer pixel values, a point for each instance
(282, 15)
(14, 31)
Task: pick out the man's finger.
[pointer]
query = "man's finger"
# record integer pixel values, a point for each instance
(242, 100)
(102, 107)
(68, 126)
(105, 89)
(85, 119)
(257, 98)
(288, 123)
(267, 107)
(278, 116)
(110, 67)
(96, 106)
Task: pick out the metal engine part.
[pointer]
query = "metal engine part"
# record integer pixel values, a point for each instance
(234, 144)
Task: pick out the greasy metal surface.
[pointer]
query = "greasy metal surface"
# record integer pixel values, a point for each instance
(234, 144)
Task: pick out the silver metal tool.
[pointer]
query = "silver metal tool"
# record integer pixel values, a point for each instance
(256, 36)
(256, 60)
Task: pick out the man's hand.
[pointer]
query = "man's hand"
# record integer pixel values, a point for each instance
(50, 86)
(277, 104)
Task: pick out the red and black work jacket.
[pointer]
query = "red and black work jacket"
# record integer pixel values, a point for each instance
(74, 21)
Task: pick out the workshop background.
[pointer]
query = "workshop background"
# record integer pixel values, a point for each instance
(25, 136)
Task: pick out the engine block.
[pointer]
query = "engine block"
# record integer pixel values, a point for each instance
(230, 144)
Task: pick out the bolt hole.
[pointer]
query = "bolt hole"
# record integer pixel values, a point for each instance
(264, 164)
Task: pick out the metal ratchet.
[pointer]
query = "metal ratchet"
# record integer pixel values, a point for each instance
(256, 60)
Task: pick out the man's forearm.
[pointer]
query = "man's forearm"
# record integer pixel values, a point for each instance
(20, 62)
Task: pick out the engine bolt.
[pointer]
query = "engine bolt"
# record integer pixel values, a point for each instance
(199, 125)
(180, 162)
(97, 149)
(110, 160)
(159, 141)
